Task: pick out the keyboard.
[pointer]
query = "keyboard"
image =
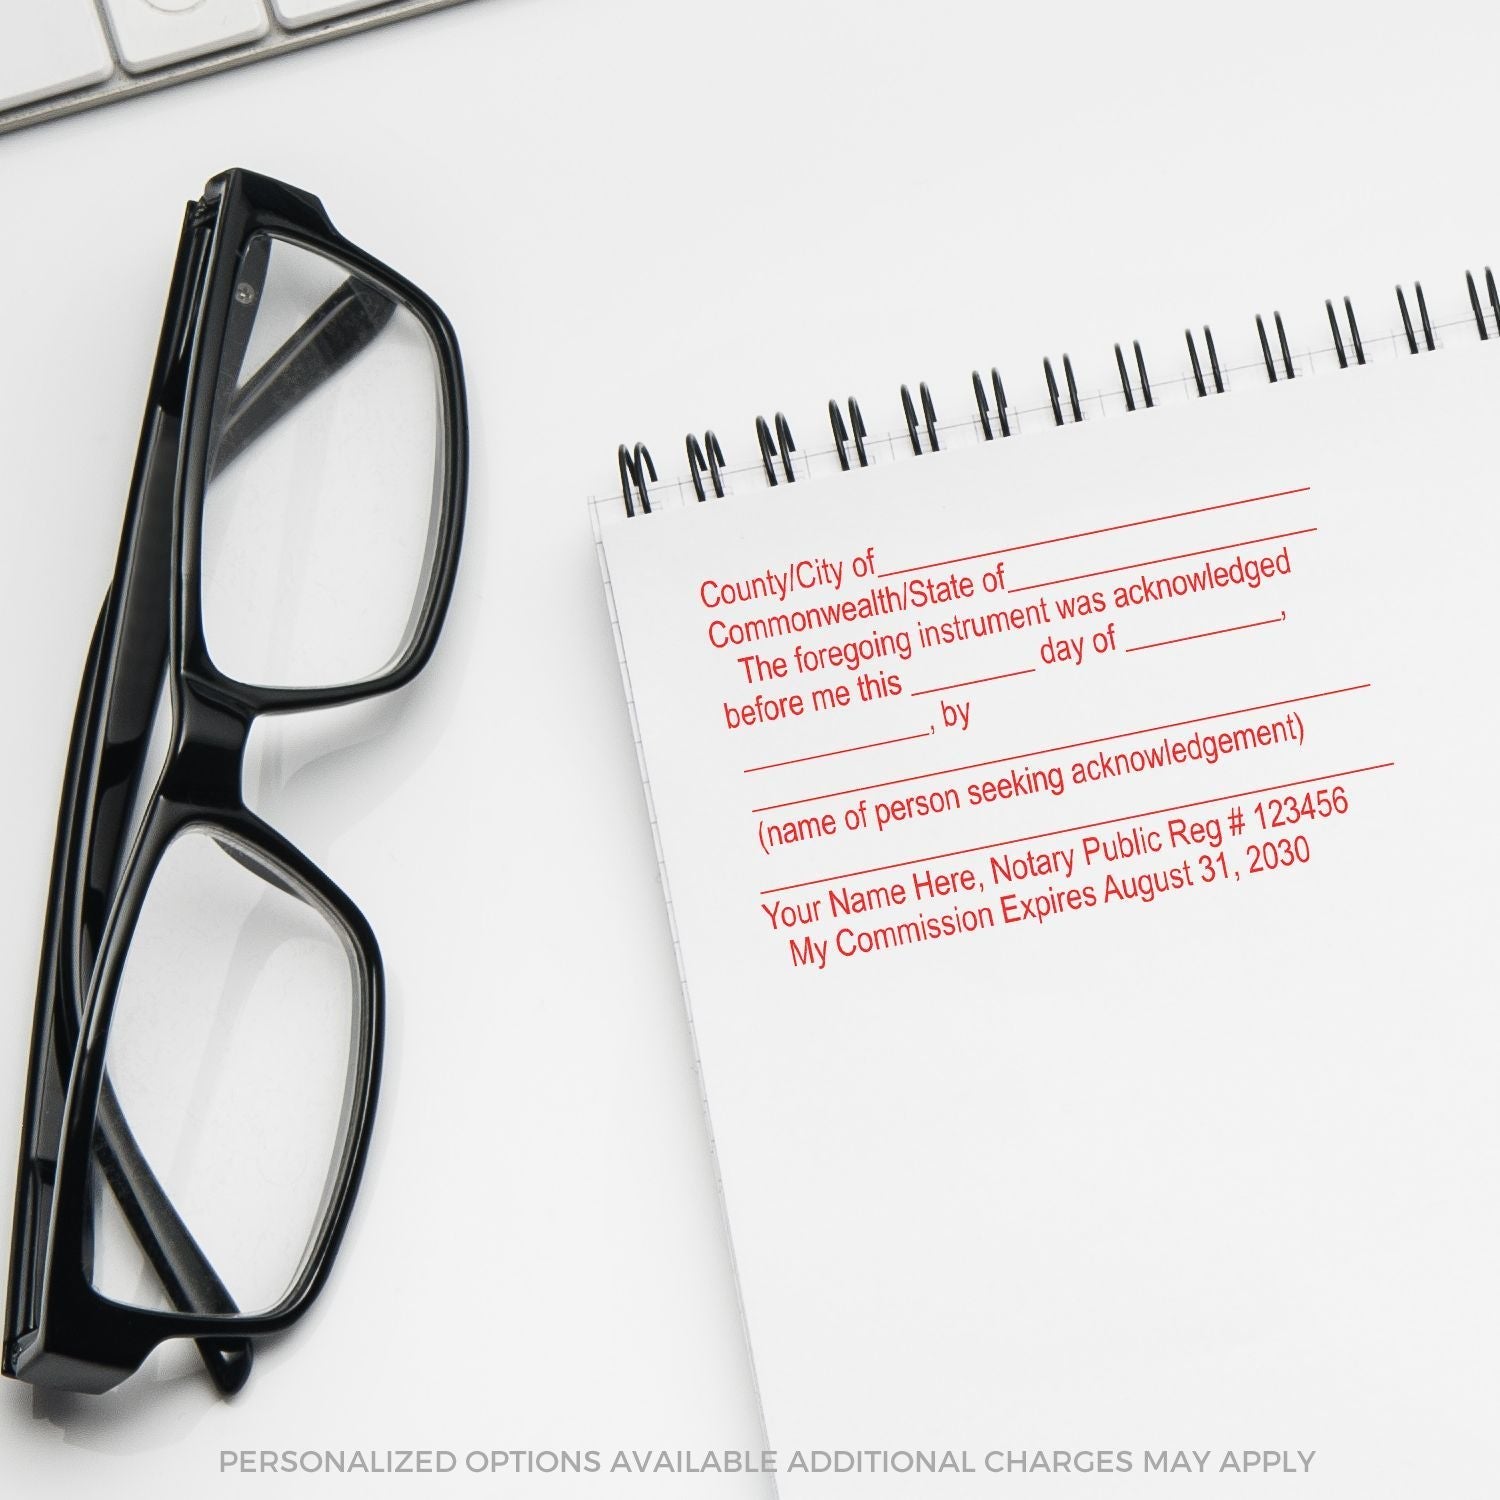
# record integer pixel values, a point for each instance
(58, 56)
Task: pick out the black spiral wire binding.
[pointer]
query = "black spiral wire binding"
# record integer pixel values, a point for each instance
(1052, 391)
(631, 465)
(1426, 321)
(841, 433)
(1411, 338)
(769, 446)
(1353, 332)
(1213, 361)
(1140, 364)
(1197, 368)
(777, 445)
(1359, 348)
(1265, 348)
(1338, 338)
(1052, 395)
(1489, 285)
(983, 403)
(1286, 353)
(1072, 389)
(929, 417)
(713, 463)
(1484, 332)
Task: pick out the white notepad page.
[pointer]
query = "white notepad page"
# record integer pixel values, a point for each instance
(1101, 1034)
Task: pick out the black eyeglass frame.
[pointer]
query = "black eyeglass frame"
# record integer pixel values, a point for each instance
(60, 1331)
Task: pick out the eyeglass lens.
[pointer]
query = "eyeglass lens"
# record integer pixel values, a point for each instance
(325, 473)
(229, 1065)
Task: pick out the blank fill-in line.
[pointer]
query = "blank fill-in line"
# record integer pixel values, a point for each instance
(1073, 536)
(797, 760)
(1151, 562)
(1031, 838)
(973, 682)
(1103, 739)
(1177, 640)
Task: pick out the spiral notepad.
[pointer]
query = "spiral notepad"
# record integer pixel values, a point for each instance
(1077, 839)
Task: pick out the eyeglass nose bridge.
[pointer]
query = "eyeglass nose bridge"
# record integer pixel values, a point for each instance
(208, 748)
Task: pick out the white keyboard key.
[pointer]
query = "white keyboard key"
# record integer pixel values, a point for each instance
(48, 47)
(305, 12)
(152, 33)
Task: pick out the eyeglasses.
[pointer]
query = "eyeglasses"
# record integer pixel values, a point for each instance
(206, 1044)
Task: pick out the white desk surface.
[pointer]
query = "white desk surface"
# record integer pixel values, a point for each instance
(641, 219)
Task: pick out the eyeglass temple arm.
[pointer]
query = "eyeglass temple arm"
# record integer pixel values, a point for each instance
(185, 1272)
(176, 1257)
(345, 324)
